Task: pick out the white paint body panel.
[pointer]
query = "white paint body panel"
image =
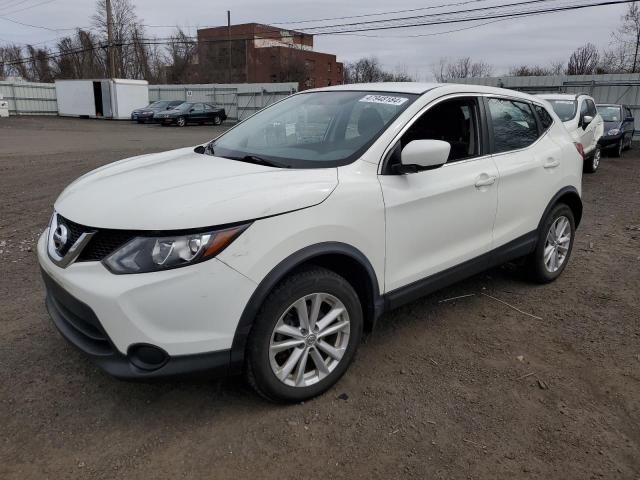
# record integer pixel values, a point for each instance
(149, 308)
(408, 227)
(589, 136)
(182, 189)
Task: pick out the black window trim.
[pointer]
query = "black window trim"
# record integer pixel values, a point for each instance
(541, 130)
(489, 123)
(385, 168)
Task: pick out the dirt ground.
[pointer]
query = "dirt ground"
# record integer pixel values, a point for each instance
(467, 388)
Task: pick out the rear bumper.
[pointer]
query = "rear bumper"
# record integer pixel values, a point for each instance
(80, 326)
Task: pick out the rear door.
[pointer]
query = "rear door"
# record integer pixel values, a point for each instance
(527, 160)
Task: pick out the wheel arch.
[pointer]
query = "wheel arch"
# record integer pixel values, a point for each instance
(570, 197)
(344, 259)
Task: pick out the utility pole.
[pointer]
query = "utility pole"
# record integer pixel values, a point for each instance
(110, 52)
(229, 46)
(635, 57)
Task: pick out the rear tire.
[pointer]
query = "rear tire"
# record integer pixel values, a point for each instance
(217, 120)
(592, 164)
(555, 243)
(319, 347)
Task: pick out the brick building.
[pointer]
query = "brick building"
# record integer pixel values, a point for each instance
(255, 53)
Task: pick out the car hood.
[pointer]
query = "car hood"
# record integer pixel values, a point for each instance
(182, 189)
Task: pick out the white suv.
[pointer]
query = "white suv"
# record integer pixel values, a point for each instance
(272, 248)
(583, 122)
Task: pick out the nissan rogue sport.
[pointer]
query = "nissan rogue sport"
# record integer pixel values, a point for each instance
(271, 249)
(583, 122)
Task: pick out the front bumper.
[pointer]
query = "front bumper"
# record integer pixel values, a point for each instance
(610, 141)
(190, 314)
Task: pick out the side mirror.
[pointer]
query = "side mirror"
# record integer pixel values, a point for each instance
(628, 119)
(200, 149)
(586, 120)
(424, 154)
(192, 110)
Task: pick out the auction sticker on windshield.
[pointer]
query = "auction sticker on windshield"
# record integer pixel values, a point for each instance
(386, 99)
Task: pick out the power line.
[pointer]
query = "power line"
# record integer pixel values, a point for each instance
(28, 7)
(371, 22)
(503, 16)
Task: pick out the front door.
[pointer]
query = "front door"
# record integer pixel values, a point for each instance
(440, 218)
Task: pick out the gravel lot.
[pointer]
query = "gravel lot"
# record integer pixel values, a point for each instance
(468, 388)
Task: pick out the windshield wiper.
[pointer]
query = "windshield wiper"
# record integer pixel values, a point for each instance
(257, 160)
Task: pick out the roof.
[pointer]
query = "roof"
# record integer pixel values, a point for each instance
(396, 87)
(420, 88)
(561, 96)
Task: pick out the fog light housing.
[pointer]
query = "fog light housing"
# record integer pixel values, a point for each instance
(147, 357)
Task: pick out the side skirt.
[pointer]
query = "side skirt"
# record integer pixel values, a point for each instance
(517, 248)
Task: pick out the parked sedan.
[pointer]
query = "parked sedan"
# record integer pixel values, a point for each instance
(142, 115)
(618, 127)
(189, 112)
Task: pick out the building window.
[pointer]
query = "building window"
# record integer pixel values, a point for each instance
(329, 67)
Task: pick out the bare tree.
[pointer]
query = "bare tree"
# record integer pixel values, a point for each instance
(181, 50)
(131, 56)
(584, 60)
(554, 68)
(463, 67)
(369, 69)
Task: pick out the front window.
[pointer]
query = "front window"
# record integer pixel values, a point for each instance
(313, 130)
(610, 113)
(565, 109)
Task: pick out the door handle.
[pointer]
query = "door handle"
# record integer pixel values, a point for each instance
(551, 162)
(484, 180)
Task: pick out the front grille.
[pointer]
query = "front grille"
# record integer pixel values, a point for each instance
(103, 243)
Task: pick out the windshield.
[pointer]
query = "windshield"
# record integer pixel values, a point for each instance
(313, 130)
(160, 104)
(610, 113)
(565, 109)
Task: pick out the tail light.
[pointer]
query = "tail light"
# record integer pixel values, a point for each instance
(580, 149)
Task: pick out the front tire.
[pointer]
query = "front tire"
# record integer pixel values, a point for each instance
(554, 246)
(592, 164)
(181, 121)
(304, 337)
(617, 151)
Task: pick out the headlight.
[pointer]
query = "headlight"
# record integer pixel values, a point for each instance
(152, 254)
(613, 131)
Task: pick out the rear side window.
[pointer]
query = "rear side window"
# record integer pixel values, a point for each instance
(546, 120)
(513, 123)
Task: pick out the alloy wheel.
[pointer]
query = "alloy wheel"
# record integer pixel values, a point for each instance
(596, 159)
(557, 244)
(309, 340)
(181, 121)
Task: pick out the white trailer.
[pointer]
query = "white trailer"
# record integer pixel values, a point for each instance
(102, 98)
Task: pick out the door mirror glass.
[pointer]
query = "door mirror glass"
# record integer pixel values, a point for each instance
(425, 153)
(586, 120)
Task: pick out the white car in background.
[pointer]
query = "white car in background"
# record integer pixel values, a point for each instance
(581, 118)
(270, 249)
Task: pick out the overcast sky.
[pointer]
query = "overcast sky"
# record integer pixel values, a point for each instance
(532, 40)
